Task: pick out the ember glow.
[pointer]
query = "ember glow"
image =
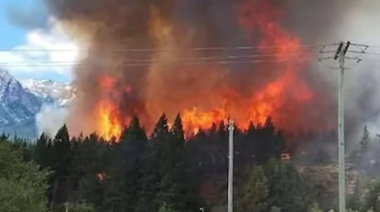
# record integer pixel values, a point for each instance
(115, 85)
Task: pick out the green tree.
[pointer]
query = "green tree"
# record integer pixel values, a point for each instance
(175, 188)
(61, 153)
(24, 146)
(372, 199)
(82, 208)
(88, 169)
(153, 167)
(364, 142)
(42, 151)
(23, 184)
(166, 208)
(275, 209)
(61, 165)
(126, 169)
(166, 177)
(286, 188)
(177, 131)
(314, 208)
(269, 144)
(356, 201)
(253, 193)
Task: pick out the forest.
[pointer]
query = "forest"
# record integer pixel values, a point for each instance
(166, 172)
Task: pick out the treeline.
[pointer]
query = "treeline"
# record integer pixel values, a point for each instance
(143, 173)
(167, 173)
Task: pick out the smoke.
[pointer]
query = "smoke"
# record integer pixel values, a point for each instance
(50, 119)
(150, 88)
(362, 93)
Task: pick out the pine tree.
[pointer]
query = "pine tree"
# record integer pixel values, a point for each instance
(61, 165)
(269, 128)
(364, 142)
(213, 129)
(42, 151)
(177, 131)
(175, 188)
(152, 167)
(126, 168)
(61, 152)
(268, 144)
(165, 180)
(88, 169)
(161, 128)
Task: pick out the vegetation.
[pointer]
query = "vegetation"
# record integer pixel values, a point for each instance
(164, 172)
(22, 184)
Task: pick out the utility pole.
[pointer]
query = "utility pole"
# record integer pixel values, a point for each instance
(66, 206)
(230, 164)
(341, 53)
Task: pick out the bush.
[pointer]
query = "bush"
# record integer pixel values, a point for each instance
(23, 184)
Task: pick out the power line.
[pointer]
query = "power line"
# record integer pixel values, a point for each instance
(215, 57)
(158, 63)
(151, 60)
(183, 60)
(164, 50)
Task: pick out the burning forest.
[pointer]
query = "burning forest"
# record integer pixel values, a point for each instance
(203, 59)
(192, 65)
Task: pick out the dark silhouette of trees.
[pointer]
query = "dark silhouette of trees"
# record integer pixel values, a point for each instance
(166, 171)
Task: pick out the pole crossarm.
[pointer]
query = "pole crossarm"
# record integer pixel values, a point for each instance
(361, 47)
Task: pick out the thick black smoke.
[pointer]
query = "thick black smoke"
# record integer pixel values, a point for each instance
(109, 25)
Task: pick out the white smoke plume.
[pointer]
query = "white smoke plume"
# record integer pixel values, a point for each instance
(50, 119)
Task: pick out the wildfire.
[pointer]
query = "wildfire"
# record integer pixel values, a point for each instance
(271, 99)
(282, 96)
(109, 125)
(193, 119)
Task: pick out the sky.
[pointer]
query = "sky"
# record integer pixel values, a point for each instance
(32, 43)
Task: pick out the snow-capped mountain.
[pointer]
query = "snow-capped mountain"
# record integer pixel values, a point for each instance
(22, 101)
(60, 93)
(18, 106)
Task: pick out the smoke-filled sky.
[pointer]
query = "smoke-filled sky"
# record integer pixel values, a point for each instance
(104, 26)
(28, 25)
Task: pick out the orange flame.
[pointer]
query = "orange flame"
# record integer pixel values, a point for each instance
(193, 119)
(109, 125)
(282, 98)
(272, 99)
